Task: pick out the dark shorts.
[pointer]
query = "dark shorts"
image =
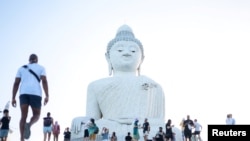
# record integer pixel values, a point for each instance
(169, 136)
(197, 132)
(187, 133)
(86, 133)
(4, 133)
(32, 100)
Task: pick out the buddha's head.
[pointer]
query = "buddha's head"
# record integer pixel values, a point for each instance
(124, 52)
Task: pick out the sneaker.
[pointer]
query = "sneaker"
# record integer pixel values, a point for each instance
(27, 131)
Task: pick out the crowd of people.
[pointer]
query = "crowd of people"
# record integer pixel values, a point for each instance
(92, 130)
(191, 130)
(51, 127)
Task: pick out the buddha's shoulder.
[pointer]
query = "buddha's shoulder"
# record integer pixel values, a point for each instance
(147, 79)
(101, 82)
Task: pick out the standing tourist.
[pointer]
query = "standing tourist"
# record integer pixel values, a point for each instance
(230, 120)
(105, 134)
(113, 137)
(47, 126)
(146, 129)
(160, 135)
(29, 76)
(188, 124)
(86, 131)
(182, 128)
(67, 134)
(4, 125)
(198, 128)
(92, 130)
(128, 137)
(136, 135)
(169, 132)
(56, 130)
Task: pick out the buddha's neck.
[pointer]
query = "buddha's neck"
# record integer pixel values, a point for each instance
(124, 74)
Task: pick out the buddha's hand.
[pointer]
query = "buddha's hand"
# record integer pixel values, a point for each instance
(76, 125)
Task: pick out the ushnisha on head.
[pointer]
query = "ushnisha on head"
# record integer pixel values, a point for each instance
(124, 33)
(33, 58)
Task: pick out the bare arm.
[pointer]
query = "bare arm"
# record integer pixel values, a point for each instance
(45, 88)
(14, 90)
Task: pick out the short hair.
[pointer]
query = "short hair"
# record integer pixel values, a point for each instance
(5, 111)
(33, 57)
(92, 120)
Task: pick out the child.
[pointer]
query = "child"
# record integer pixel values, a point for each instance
(56, 130)
(4, 124)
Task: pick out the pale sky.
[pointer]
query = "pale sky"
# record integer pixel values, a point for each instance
(197, 50)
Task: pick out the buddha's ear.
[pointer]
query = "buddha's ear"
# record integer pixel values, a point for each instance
(109, 64)
(139, 68)
(142, 59)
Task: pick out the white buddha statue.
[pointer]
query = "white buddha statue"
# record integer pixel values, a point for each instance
(114, 102)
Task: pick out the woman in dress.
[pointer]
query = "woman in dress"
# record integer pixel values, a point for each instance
(169, 132)
(56, 130)
(136, 135)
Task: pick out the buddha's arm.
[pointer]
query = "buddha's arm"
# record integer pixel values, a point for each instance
(93, 109)
(162, 102)
(156, 102)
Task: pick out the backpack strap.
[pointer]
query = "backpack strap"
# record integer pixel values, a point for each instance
(32, 72)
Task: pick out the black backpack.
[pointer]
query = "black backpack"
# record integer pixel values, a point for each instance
(96, 131)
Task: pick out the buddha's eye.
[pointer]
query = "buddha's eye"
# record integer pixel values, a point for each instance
(119, 48)
(132, 49)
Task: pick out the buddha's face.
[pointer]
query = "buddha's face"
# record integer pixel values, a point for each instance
(125, 56)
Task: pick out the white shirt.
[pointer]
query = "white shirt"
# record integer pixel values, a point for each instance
(29, 83)
(197, 126)
(230, 121)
